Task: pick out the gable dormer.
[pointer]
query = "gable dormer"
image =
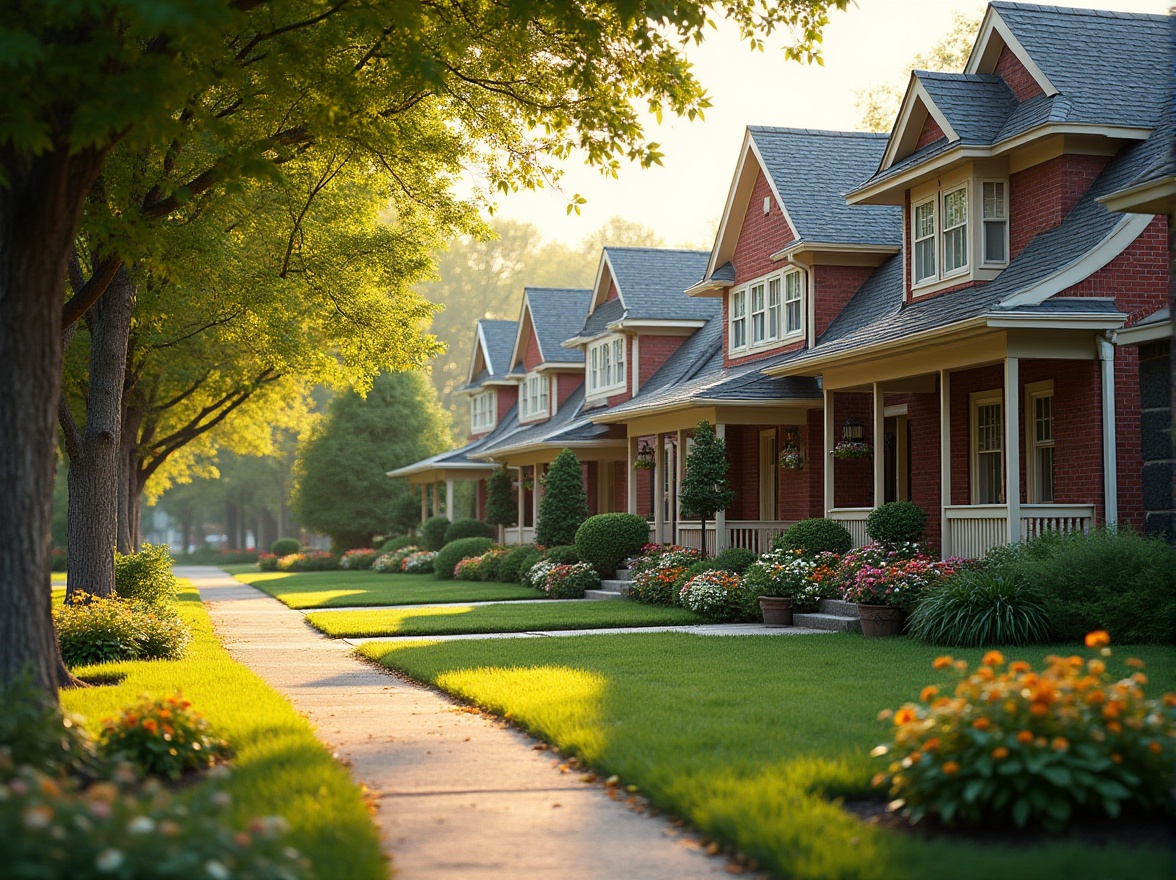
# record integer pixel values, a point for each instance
(490, 388)
(789, 253)
(547, 373)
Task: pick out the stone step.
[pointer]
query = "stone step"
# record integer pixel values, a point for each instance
(623, 574)
(836, 606)
(831, 622)
(602, 594)
(614, 586)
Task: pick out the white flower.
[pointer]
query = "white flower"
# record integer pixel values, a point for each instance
(141, 825)
(109, 860)
(216, 870)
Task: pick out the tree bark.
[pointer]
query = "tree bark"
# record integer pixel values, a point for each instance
(129, 484)
(40, 206)
(94, 484)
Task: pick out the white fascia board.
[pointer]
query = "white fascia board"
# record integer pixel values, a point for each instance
(480, 345)
(994, 24)
(728, 206)
(526, 322)
(833, 247)
(1030, 321)
(1122, 234)
(412, 470)
(916, 94)
(1160, 193)
(706, 287)
(655, 324)
(1139, 334)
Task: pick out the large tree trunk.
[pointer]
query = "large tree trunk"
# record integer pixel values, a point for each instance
(39, 209)
(129, 485)
(94, 484)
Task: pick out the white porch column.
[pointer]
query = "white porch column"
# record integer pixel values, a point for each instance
(1012, 441)
(436, 500)
(1106, 358)
(631, 476)
(659, 487)
(879, 450)
(944, 460)
(449, 498)
(679, 475)
(424, 502)
(721, 537)
(828, 452)
(521, 506)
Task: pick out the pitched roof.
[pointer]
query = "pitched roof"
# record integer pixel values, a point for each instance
(568, 424)
(460, 458)
(813, 170)
(976, 106)
(557, 314)
(500, 337)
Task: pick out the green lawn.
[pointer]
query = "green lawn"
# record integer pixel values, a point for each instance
(454, 619)
(280, 767)
(340, 589)
(752, 738)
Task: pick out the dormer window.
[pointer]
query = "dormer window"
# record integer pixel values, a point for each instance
(955, 231)
(765, 312)
(948, 228)
(533, 401)
(995, 209)
(606, 366)
(483, 415)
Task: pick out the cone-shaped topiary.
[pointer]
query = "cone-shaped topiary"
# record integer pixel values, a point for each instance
(705, 488)
(564, 505)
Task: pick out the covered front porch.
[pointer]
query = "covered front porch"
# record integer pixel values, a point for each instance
(1000, 436)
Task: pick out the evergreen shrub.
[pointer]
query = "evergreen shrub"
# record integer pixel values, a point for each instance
(469, 528)
(735, 559)
(564, 505)
(606, 540)
(896, 522)
(454, 552)
(145, 577)
(285, 546)
(398, 543)
(509, 566)
(433, 532)
(563, 554)
(813, 536)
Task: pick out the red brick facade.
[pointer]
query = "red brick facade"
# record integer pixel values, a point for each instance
(760, 234)
(531, 356)
(834, 287)
(929, 134)
(1040, 197)
(1016, 76)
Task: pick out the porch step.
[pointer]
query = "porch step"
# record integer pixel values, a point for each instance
(623, 574)
(831, 622)
(602, 594)
(614, 586)
(836, 606)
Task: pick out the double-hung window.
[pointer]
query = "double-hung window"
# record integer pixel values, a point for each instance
(606, 366)
(995, 219)
(959, 230)
(482, 414)
(766, 311)
(534, 397)
(924, 239)
(1039, 430)
(955, 231)
(988, 448)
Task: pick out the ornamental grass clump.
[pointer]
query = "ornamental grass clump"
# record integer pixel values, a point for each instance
(569, 581)
(978, 609)
(1011, 743)
(717, 595)
(360, 559)
(161, 737)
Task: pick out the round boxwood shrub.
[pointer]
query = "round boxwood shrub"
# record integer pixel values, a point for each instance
(562, 554)
(608, 539)
(433, 532)
(735, 559)
(896, 522)
(976, 609)
(285, 546)
(508, 566)
(813, 536)
(398, 543)
(454, 552)
(469, 528)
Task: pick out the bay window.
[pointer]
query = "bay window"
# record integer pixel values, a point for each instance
(606, 366)
(765, 312)
(959, 231)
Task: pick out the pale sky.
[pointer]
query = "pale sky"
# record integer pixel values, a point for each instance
(682, 199)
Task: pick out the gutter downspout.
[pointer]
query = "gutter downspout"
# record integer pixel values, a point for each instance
(1106, 357)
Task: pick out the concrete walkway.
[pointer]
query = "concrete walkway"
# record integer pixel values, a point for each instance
(697, 629)
(461, 796)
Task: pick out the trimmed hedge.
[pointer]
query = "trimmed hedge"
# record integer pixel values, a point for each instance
(562, 554)
(511, 566)
(896, 522)
(469, 528)
(433, 532)
(399, 543)
(813, 536)
(736, 559)
(454, 552)
(608, 539)
(285, 546)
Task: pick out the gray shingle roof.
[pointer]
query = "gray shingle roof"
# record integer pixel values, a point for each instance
(515, 435)
(651, 281)
(604, 314)
(557, 314)
(462, 456)
(976, 106)
(1114, 68)
(500, 338)
(813, 170)
(877, 314)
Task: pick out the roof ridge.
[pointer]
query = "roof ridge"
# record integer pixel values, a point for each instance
(660, 250)
(1076, 10)
(822, 132)
(557, 290)
(966, 77)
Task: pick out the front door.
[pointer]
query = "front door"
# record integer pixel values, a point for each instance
(768, 476)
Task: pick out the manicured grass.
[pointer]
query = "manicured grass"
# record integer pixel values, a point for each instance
(752, 738)
(340, 589)
(280, 767)
(454, 619)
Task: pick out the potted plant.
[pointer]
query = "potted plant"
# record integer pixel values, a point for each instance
(775, 580)
(852, 449)
(792, 459)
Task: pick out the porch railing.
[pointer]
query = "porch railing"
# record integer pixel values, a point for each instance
(512, 535)
(753, 535)
(854, 520)
(974, 529)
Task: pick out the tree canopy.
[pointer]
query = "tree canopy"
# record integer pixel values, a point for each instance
(341, 485)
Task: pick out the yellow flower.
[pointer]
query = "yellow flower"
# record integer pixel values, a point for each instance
(1098, 638)
(904, 715)
(993, 658)
(928, 692)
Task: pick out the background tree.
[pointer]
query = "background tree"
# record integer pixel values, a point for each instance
(879, 106)
(342, 489)
(564, 504)
(705, 488)
(502, 507)
(224, 91)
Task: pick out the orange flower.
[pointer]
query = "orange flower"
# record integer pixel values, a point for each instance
(951, 768)
(1025, 737)
(1060, 744)
(149, 725)
(1000, 753)
(1039, 709)
(1019, 666)
(1170, 699)
(1135, 663)
(928, 692)
(1096, 667)
(1111, 709)
(993, 658)
(961, 665)
(1116, 757)
(1114, 727)
(878, 779)
(931, 744)
(904, 715)
(982, 723)
(1098, 638)
(1155, 747)
(942, 662)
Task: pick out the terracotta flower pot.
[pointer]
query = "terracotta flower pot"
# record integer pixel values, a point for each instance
(777, 610)
(881, 620)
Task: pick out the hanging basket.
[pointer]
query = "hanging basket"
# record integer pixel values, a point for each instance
(853, 449)
(642, 465)
(792, 459)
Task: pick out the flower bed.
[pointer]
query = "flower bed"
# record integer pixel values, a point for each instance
(656, 574)
(311, 560)
(891, 574)
(569, 581)
(393, 563)
(716, 595)
(360, 559)
(804, 579)
(420, 562)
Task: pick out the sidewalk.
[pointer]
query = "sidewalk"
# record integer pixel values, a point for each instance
(460, 796)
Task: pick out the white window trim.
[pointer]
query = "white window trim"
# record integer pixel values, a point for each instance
(982, 238)
(540, 382)
(489, 411)
(1034, 390)
(977, 400)
(784, 336)
(969, 228)
(932, 200)
(619, 381)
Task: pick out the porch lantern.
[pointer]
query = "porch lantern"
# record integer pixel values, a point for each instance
(791, 455)
(851, 444)
(645, 458)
